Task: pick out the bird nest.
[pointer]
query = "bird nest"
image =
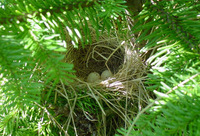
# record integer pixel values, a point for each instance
(111, 102)
(119, 57)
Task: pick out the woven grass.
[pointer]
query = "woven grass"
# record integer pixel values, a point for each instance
(101, 107)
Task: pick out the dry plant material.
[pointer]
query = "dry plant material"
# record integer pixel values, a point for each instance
(118, 97)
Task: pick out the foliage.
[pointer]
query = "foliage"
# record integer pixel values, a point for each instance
(33, 39)
(170, 31)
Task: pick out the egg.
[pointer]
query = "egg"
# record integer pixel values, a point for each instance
(105, 75)
(93, 77)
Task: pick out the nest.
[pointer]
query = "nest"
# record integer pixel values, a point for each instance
(121, 95)
(110, 54)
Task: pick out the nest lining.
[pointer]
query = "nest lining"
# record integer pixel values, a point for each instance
(96, 58)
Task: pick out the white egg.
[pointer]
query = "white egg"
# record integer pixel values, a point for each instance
(93, 77)
(106, 74)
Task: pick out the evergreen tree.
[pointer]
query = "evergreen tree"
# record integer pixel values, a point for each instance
(34, 35)
(170, 32)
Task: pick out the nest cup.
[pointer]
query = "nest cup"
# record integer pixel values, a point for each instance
(108, 53)
(96, 57)
(124, 91)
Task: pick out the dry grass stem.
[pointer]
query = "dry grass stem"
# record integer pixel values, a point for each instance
(116, 100)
